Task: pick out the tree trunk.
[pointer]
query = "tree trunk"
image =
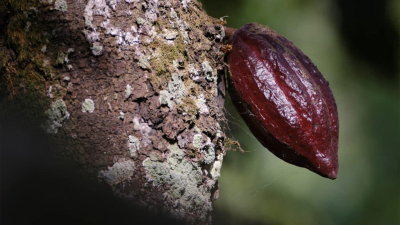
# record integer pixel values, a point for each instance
(133, 93)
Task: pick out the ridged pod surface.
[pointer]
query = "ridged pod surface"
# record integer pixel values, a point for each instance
(284, 99)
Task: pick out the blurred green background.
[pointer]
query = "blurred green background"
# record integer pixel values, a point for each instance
(355, 45)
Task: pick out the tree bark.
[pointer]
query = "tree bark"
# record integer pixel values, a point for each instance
(135, 92)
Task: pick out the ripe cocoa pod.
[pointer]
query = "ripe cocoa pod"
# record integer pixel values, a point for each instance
(284, 100)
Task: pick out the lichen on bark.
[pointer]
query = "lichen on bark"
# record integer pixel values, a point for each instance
(140, 87)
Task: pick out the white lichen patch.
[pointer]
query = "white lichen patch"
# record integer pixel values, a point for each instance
(126, 35)
(145, 131)
(206, 149)
(194, 72)
(144, 62)
(119, 172)
(173, 14)
(196, 130)
(97, 49)
(121, 116)
(156, 156)
(113, 3)
(210, 76)
(50, 92)
(128, 91)
(140, 21)
(151, 13)
(177, 88)
(201, 105)
(165, 99)
(43, 49)
(61, 5)
(88, 106)
(219, 133)
(124, 38)
(170, 34)
(109, 107)
(56, 116)
(182, 177)
(133, 145)
(130, 39)
(183, 27)
(209, 154)
(198, 141)
(185, 3)
(95, 8)
(216, 168)
(208, 71)
(136, 123)
(157, 172)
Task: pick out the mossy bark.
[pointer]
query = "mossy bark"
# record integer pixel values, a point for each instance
(130, 89)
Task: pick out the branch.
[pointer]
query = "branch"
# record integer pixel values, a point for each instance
(132, 92)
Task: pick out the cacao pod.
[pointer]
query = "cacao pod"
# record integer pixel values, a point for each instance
(283, 98)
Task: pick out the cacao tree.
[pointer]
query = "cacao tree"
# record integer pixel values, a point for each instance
(130, 90)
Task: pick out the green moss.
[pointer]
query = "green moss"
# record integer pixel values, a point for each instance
(25, 37)
(3, 61)
(47, 2)
(165, 54)
(188, 105)
(177, 51)
(43, 67)
(59, 61)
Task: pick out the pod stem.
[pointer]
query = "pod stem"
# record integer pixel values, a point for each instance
(229, 32)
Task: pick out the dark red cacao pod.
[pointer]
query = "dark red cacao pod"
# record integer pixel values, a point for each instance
(284, 100)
